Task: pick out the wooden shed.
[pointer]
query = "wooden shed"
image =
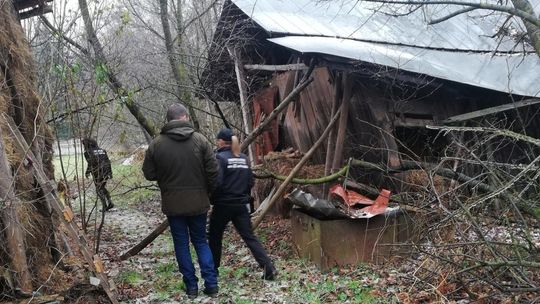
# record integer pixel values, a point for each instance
(396, 75)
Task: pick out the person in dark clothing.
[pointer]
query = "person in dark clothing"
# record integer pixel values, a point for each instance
(99, 165)
(183, 164)
(231, 202)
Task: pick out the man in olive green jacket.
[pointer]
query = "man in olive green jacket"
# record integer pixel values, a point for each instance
(182, 162)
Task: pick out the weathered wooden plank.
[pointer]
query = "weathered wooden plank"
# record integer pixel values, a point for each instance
(343, 119)
(331, 145)
(492, 110)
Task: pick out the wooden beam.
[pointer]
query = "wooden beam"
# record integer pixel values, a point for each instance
(23, 4)
(492, 110)
(331, 144)
(343, 120)
(37, 11)
(276, 68)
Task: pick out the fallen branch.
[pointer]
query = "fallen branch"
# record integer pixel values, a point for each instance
(147, 240)
(303, 181)
(499, 132)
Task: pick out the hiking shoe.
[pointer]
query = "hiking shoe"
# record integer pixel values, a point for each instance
(192, 293)
(109, 207)
(211, 291)
(270, 274)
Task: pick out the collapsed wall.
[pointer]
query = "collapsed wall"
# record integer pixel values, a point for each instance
(19, 194)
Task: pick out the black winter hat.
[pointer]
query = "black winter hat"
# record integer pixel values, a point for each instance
(225, 134)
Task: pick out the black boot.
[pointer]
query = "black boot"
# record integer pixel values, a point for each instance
(270, 273)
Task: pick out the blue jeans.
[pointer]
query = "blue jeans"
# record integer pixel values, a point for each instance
(182, 228)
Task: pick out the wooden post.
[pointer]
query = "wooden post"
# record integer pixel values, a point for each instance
(242, 87)
(330, 147)
(14, 237)
(281, 190)
(343, 119)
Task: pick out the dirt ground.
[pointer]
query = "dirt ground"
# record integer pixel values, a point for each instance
(152, 276)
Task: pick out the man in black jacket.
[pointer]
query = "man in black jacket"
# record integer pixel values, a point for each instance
(99, 165)
(182, 162)
(231, 202)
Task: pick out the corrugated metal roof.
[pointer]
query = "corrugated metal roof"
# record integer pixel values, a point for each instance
(369, 32)
(514, 74)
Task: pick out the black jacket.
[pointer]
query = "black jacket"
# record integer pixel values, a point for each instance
(235, 178)
(183, 163)
(98, 164)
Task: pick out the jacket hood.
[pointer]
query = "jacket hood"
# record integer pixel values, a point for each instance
(178, 130)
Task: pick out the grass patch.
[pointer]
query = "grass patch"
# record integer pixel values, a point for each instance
(131, 277)
(168, 279)
(126, 186)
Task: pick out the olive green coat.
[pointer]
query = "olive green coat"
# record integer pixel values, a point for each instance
(183, 163)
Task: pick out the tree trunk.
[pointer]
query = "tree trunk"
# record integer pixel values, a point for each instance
(173, 58)
(114, 83)
(532, 30)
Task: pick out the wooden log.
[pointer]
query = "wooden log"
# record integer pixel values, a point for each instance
(10, 219)
(306, 80)
(242, 87)
(276, 68)
(343, 119)
(281, 190)
(147, 240)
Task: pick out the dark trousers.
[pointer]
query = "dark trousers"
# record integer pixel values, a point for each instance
(103, 193)
(239, 215)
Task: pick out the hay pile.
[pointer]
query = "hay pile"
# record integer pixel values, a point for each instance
(19, 100)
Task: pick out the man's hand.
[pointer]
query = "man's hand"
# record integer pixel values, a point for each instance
(87, 174)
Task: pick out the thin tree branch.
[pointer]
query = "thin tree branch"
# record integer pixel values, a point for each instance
(500, 8)
(458, 12)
